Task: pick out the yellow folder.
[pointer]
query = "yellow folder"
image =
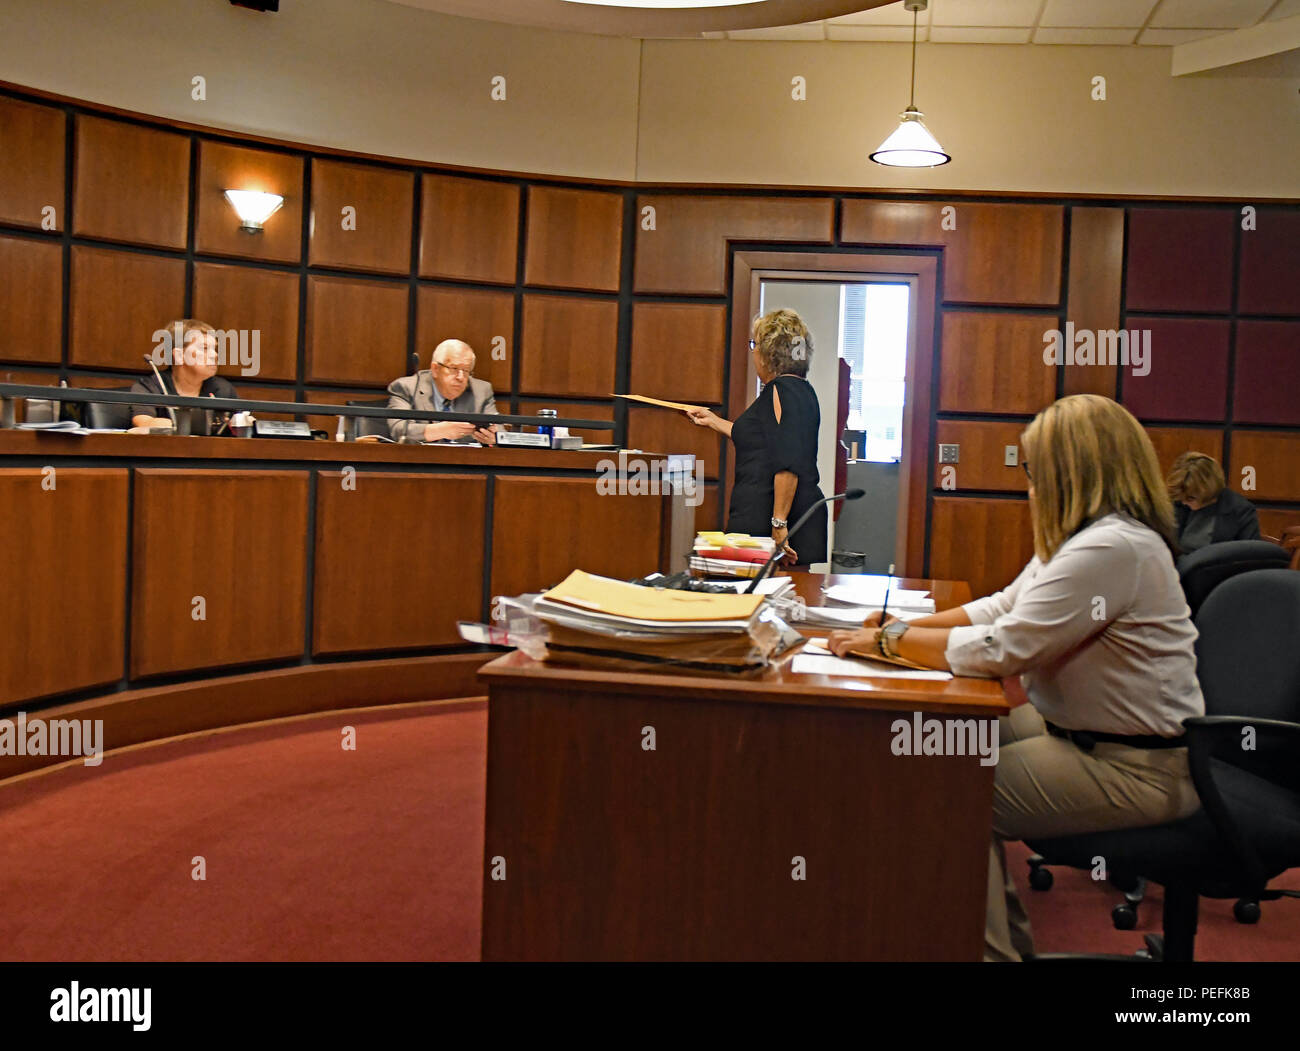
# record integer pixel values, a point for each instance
(614, 597)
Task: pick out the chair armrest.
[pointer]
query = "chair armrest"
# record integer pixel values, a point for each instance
(1211, 735)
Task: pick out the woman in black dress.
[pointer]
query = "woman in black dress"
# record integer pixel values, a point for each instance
(776, 442)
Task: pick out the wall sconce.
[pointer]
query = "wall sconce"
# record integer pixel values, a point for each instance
(253, 208)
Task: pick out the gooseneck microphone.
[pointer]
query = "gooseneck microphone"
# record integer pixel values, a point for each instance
(766, 571)
(162, 389)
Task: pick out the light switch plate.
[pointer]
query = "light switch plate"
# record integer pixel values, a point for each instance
(1012, 456)
(948, 453)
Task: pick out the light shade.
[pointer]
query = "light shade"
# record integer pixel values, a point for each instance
(911, 145)
(665, 5)
(253, 207)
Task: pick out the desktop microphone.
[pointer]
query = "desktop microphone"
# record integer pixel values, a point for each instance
(766, 571)
(162, 389)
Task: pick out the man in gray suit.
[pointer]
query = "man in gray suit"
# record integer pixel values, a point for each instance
(447, 386)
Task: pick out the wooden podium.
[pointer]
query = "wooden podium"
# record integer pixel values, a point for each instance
(611, 850)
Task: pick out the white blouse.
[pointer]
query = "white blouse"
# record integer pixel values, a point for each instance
(1100, 634)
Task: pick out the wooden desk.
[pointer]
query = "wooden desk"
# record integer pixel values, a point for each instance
(613, 851)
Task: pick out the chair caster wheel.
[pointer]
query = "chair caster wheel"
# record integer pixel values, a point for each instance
(1246, 911)
(1124, 917)
(1041, 878)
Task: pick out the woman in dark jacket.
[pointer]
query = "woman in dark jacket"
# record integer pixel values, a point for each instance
(776, 477)
(1205, 510)
(187, 357)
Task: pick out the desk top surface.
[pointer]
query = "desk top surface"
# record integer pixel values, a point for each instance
(778, 684)
(197, 449)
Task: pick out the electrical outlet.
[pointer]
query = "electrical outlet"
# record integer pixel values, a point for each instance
(948, 453)
(1012, 456)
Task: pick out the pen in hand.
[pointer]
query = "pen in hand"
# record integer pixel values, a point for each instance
(884, 609)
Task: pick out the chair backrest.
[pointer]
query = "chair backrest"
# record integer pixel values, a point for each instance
(370, 424)
(1248, 652)
(108, 415)
(1248, 664)
(1204, 570)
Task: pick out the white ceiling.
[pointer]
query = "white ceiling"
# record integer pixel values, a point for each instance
(1106, 22)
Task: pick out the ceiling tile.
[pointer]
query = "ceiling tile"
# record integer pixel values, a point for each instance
(889, 15)
(807, 31)
(891, 33)
(1170, 37)
(1098, 13)
(1084, 36)
(978, 35)
(984, 12)
(1209, 14)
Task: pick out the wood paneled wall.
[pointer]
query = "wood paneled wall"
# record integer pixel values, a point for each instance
(570, 293)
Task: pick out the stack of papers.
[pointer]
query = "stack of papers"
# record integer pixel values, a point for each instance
(869, 591)
(852, 616)
(730, 554)
(55, 427)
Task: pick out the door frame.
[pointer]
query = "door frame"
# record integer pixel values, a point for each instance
(919, 270)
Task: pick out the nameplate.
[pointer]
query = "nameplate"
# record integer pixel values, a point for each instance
(532, 441)
(281, 429)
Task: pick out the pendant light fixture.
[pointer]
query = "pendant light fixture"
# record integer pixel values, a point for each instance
(911, 145)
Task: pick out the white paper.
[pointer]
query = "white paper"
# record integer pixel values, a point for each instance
(818, 664)
(872, 595)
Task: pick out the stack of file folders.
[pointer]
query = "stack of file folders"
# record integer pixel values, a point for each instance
(730, 554)
(597, 618)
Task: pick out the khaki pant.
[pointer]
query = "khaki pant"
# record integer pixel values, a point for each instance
(1047, 786)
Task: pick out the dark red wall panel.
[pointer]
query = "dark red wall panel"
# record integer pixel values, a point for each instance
(1269, 280)
(1268, 373)
(1188, 379)
(1180, 259)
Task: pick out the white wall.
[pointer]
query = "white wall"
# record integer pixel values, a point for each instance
(385, 78)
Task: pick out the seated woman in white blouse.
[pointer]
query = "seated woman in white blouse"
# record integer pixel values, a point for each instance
(1098, 629)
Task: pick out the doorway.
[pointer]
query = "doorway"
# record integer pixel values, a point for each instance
(876, 311)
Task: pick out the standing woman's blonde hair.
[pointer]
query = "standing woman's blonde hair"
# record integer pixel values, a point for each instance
(783, 342)
(1087, 456)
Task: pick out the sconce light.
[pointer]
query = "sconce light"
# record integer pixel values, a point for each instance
(253, 208)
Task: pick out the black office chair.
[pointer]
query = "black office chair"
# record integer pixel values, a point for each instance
(1199, 573)
(368, 425)
(1242, 757)
(1204, 570)
(107, 415)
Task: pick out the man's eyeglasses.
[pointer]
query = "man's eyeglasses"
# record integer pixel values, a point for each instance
(454, 370)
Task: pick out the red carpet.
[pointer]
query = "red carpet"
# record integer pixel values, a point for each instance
(315, 853)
